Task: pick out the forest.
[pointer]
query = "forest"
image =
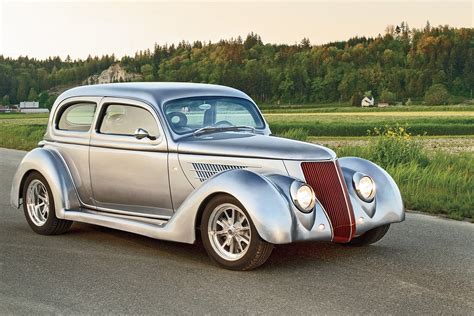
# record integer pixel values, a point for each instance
(431, 65)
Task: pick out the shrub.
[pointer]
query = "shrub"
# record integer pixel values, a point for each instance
(395, 146)
(295, 133)
(356, 99)
(387, 97)
(437, 94)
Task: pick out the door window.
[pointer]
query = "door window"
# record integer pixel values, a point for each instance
(126, 119)
(77, 117)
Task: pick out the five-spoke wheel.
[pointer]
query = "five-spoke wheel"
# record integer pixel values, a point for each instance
(38, 205)
(229, 236)
(37, 202)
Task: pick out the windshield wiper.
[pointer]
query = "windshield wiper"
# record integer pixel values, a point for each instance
(215, 129)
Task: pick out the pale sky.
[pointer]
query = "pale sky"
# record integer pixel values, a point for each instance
(78, 28)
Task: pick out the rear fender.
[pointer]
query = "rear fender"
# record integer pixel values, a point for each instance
(52, 167)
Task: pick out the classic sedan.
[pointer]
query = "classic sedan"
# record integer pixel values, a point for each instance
(178, 161)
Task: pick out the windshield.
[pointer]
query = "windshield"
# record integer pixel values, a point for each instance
(190, 114)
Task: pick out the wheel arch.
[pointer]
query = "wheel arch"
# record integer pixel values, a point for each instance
(51, 166)
(268, 209)
(387, 207)
(203, 205)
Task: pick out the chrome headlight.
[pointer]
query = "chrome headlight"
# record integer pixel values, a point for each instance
(364, 186)
(303, 196)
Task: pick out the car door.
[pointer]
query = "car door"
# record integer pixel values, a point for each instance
(70, 129)
(129, 175)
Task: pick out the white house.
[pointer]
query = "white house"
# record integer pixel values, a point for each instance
(366, 101)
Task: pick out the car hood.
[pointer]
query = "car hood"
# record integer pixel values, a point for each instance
(241, 144)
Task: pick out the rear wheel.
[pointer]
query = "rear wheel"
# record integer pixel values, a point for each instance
(370, 237)
(230, 237)
(38, 205)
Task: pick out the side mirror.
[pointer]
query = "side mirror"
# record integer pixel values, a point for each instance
(141, 133)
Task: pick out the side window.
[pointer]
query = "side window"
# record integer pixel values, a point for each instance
(126, 119)
(77, 117)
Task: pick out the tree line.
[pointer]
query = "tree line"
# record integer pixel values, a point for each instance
(435, 64)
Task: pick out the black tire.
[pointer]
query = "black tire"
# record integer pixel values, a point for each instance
(53, 225)
(258, 250)
(370, 237)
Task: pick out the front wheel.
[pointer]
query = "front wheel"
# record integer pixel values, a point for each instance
(370, 237)
(230, 237)
(38, 205)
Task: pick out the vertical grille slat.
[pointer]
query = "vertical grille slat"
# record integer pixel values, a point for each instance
(206, 170)
(328, 183)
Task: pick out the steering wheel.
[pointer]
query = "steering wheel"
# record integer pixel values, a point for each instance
(182, 119)
(223, 123)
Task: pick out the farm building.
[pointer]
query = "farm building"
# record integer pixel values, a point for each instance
(31, 107)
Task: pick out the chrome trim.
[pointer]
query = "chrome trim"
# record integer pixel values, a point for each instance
(206, 170)
(37, 202)
(295, 186)
(232, 240)
(346, 199)
(356, 181)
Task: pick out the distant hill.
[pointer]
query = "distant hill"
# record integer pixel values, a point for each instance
(115, 73)
(403, 64)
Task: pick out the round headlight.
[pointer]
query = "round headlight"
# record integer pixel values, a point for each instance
(303, 196)
(364, 186)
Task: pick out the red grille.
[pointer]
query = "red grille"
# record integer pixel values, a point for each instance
(330, 188)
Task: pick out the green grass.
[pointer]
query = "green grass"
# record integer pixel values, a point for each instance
(23, 137)
(348, 124)
(444, 186)
(334, 108)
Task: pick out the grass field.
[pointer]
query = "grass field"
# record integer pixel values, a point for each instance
(357, 124)
(444, 185)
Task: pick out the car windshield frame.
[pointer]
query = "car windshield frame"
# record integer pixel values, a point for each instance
(252, 108)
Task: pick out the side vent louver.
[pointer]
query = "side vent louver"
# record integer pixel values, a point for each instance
(206, 170)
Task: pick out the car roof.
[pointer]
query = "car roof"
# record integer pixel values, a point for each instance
(155, 93)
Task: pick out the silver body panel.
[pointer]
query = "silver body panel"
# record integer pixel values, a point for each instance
(158, 187)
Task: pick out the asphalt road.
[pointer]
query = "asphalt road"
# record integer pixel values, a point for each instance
(423, 265)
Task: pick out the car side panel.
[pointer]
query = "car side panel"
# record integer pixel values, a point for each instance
(76, 158)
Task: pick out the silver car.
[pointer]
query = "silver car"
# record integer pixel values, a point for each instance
(175, 161)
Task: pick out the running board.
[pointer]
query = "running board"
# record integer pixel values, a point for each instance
(153, 228)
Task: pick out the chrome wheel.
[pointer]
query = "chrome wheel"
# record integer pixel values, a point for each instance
(37, 202)
(229, 232)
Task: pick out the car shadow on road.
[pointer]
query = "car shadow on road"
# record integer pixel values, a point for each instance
(284, 257)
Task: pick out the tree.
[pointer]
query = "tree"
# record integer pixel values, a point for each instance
(252, 40)
(147, 72)
(437, 94)
(305, 43)
(43, 99)
(33, 95)
(21, 90)
(387, 97)
(6, 100)
(405, 62)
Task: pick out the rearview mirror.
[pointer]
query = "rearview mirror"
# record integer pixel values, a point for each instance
(141, 133)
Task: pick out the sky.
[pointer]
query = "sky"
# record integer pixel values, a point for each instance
(78, 28)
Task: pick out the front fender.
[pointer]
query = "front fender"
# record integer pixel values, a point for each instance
(266, 201)
(387, 206)
(51, 165)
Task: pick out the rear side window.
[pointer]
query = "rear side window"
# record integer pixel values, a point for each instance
(122, 119)
(77, 117)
